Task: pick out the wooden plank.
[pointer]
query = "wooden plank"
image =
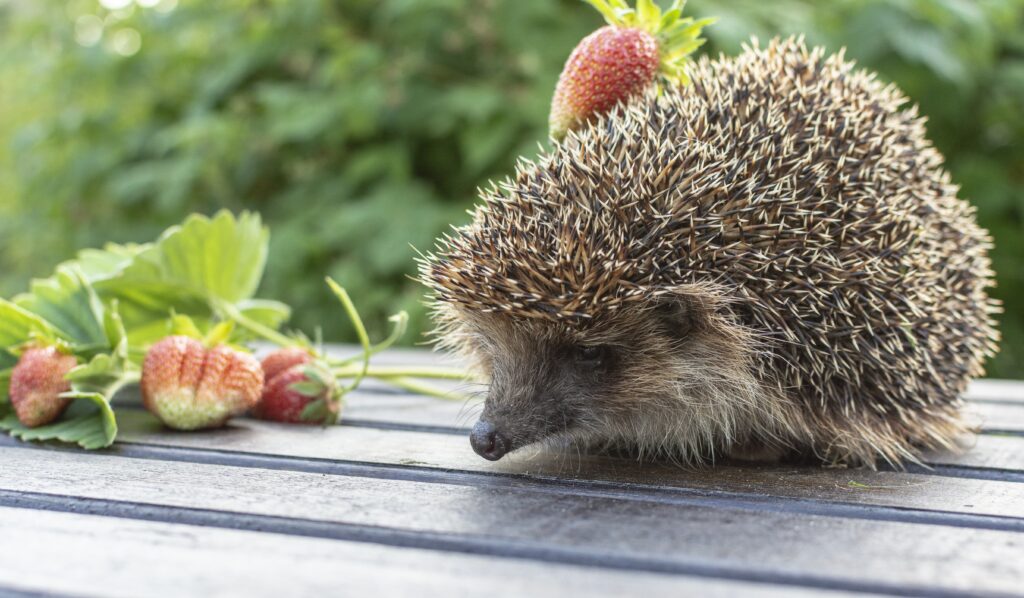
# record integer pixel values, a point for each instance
(85, 555)
(998, 418)
(615, 530)
(989, 451)
(409, 410)
(997, 391)
(439, 452)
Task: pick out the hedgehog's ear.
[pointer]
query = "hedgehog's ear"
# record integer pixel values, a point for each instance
(684, 308)
(676, 315)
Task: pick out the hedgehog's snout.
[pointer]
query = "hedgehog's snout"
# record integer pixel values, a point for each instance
(488, 442)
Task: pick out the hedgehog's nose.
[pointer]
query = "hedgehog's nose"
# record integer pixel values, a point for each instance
(487, 442)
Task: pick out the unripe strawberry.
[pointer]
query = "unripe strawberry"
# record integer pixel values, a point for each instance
(622, 60)
(294, 381)
(190, 387)
(36, 384)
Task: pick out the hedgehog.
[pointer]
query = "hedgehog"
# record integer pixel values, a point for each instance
(770, 262)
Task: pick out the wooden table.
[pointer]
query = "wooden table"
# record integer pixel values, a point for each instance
(394, 502)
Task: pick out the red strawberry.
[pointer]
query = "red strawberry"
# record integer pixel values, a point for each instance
(283, 359)
(622, 60)
(190, 387)
(36, 383)
(298, 390)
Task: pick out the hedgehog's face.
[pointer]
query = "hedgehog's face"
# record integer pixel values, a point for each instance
(555, 381)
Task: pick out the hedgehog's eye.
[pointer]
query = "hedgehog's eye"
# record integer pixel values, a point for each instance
(591, 355)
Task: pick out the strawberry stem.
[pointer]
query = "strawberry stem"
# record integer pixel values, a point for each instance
(357, 368)
(425, 389)
(234, 314)
(401, 320)
(357, 323)
(383, 372)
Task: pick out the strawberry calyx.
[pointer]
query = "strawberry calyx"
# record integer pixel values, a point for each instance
(677, 36)
(320, 385)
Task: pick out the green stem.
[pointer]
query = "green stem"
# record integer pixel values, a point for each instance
(357, 322)
(253, 326)
(401, 320)
(424, 389)
(436, 373)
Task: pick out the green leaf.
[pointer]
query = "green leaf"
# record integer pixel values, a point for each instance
(146, 311)
(113, 326)
(317, 374)
(203, 261)
(102, 366)
(315, 411)
(669, 19)
(219, 334)
(182, 325)
(102, 374)
(308, 388)
(648, 13)
(101, 264)
(272, 314)
(18, 324)
(88, 422)
(5, 386)
(605, 9)
(70, 304)
(219, 258)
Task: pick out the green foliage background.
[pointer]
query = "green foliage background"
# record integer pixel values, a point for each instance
(361, 128)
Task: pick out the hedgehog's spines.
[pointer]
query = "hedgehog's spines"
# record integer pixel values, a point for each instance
(789, 178)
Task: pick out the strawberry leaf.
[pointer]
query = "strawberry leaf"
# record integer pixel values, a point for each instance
(308, 388)
(219, 334)
(5, 386)
(18, 325)
(648, 13)
(70, 305)
(113, 326)
(181, 325)
(192, 268)
(316, 411)
(271, 314)
(104, 374)
(317, 374)
(88, 422)
(217, 258)
(102, 264)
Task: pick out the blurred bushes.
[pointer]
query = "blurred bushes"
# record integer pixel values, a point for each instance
(362, 128)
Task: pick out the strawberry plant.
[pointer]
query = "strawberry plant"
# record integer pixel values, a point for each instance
(175, 315)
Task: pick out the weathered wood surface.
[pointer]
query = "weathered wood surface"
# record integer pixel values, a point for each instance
(394, 502)
(556, 523)
(115, 557)
(450, 453)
